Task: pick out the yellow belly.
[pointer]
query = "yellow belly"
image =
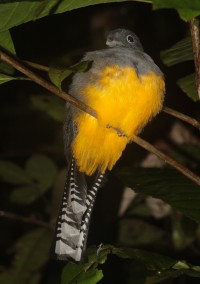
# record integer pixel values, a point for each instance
(123, 100)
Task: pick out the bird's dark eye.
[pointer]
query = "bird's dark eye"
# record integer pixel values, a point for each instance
(130, 39)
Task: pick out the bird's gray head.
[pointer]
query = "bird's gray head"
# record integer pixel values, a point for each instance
(125, 38)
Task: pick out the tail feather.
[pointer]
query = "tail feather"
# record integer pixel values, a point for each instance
(75, 215)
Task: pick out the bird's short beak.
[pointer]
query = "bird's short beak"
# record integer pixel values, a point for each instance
(111, 43)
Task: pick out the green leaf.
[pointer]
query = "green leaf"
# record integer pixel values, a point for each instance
(6, 42)
(52, 105)
(5, 78)
(102, 254)
(77, 274)
(42, 170)
(24, 195)
(91, 277)
(161, 266)
(187, 9)
(72, 272)
(6, 69)
(178, 269)
(187, 84)
(42, 6)
(161, 276)
(168, 185)
(38, 176)
(17, 12)
(179, 52)
(65, 5)
(86, 273)
(152, 261)
(81, 66)
(57, 75)
(32, 254)
(13, 174)
(37, 244)
(188, 14)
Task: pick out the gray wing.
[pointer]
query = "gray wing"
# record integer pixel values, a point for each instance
(69, 132)
(73, 204)
(77, 203)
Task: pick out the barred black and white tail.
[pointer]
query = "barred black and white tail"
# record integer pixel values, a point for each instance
(75, 214)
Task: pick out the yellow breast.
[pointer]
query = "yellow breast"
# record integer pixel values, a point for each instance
(123, 100)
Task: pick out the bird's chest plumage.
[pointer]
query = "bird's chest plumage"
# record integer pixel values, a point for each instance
(121, 99)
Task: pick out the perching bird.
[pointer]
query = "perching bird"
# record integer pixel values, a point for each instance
(126, 89)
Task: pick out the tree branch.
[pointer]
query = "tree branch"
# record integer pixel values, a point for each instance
(149, 147)
(23, 219)
(182, 117)
(167, 110)
(37, 66)
(45, 84)
(53, 89)
(195, 36)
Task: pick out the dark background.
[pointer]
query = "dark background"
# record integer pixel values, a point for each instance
(26, 131)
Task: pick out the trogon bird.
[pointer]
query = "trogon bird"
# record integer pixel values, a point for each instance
(126, 89)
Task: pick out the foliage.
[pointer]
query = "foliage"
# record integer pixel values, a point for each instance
(159, 267)
(6, 43)
(51, 105)
(27, 179)
(181, 52)
(168, 185)
(31, 253)
(24, 11)
(57, 74)
(187, 9)
(187, 84)
(178, 53)
(32, 182)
